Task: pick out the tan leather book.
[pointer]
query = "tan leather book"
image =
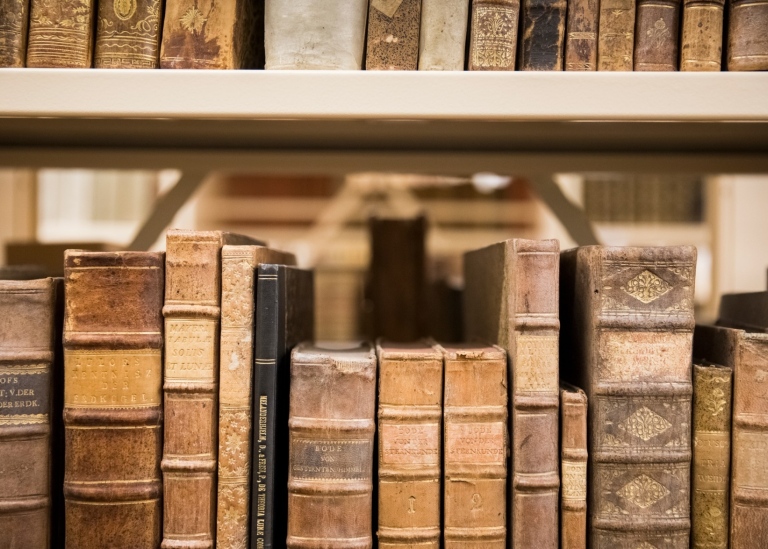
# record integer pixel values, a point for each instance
(573, 467)
(61, 34)
(511, 299)
(475, 435)
(238, 266)
(712, 390)
(493, 35)
(656, 35)
(701, 46)
(192, 314)
(113, 413)
(747, 36)
(128, 34)
(627, 323)
(410, 416)
(443, 35)
(14, 21)
(332, 424)
(393, 35)
(616, 35)
(581, 35)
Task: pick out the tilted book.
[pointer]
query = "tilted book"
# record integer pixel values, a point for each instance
(128, 34)
(393, 35)
(14, 21)
(61, 33)
(581, 35)
(747, 36)
(657, 35)
(493, 35)
(573, 467)
(443, 35)
(616, 35)
(543, 35)
(701, 47)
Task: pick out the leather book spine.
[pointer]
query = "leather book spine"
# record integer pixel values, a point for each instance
(128, 34)
(14, 21)
(712, 390)
(702, 36)
(747, 36)
(393, 35)
(113, 414)
(616, 35)
(543, 39)
(27, 362)
(410, 417)
(493, 35)
(657, 35)
(573, 468)
(61, 34)
(443, 35)
(581, 35)
(332, 411)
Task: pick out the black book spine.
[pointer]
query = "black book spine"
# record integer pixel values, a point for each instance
(543, 35)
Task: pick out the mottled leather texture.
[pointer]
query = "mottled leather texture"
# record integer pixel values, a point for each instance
(657, 35)
(581, 35)
(543, 38)
(616, 35)
(393, 35)
(701, 46)
(573, 467)
(14, 22)
(747, 36)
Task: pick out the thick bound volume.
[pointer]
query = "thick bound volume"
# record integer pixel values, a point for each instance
(393, 35)
(616, 35)
(191, 388)
(238, 284)
(443, 35)
(543, 39)
(475, 436)
(332, 411)
(61, 34)
(581, 35)
(30, 406)
(628, 322)
(284, 318)
(493, 35)
(702, 38)
(128, 34)
(747, 311)
(113, 413)
(747, 35)
(657, 35)
(410, 416)
(14, 21)
(712, 386)
(573, 467)
(511, 298)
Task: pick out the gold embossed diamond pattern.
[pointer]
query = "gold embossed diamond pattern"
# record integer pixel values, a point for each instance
(646, 287)
(645, 424)
(643, 491)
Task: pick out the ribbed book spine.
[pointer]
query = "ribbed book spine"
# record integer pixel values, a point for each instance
(747, 36)
(543, 39)
(61, 34)
(573, 468)
(702, 36)
(128, 34)
(581, 35)
(657, 35)
(493, 35)
(14, 22)
(616, 35)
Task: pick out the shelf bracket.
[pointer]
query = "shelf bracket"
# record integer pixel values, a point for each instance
(569, 214)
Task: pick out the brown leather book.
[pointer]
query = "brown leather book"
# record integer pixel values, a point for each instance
(747, 311)
(128, 34)
(747, 36)
(543, 39)
(657, 35)
(712, 389)
(493, 35)
(238, 266)
(475, 435)
(511, 299)
(61, 34)
(113, 414)
(192, 313)
(14, 20)
(627, 321)
(573, 467)
(701, 46)
(393, 35)
(581, 35)
(616, 35)
(410, 414)
(332, 424)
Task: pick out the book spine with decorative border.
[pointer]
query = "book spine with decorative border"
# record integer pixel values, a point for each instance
(128, 34)
(14, 21)
(443, 35)
(747, 36)
(657, 35)
(581, 35)
(701, 46)
(616, 35)
(543, 39)
(493, 35)
(61, 34)
(573, 468)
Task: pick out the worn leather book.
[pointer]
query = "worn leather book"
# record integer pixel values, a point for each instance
(22, 272)
(284, 317)
(657, 35)
(747, 36)
(712, 389)
(61, 33)
(701, 46)
(14, 21)
(493, 35)
(616, 35)
(573, 467)
(627, 317)
(332, 411)
(315, 34)
(511, 299)
(191, 386)
(543, 40)
(113, 413)
(581, 35)
(443, 35)
(748, 311)
(475, 438)
(410, 416)
(128, 34)
(238, 284)
(393, 35)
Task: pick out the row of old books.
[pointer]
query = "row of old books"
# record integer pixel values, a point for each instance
(579, 35)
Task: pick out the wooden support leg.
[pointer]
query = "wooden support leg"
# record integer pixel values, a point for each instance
(571, 216)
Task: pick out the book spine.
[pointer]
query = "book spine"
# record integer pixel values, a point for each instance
(747, 38)
(14, 20)
(128, 34)
(702, 37)
(581, 35)
(573, 467)
(657, 33)
(198, 35)
(393, 35)
(712, 389)
(113, 412)
(616, 35)
(493, 35)
(543, 37)
(443, 35)
(61, 34)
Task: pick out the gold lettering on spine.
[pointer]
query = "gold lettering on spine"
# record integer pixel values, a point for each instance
(410, 443)
(536, 367)
(475, 442)
(574, 476)
(190, 349)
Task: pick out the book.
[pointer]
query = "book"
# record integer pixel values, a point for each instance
(332, 426)
(511, 299)
(747, 311)
(543, 35)
(701, 47)
(747, 39)
(191, 385)
(443, 35)
(30, 411)
(475, 437)
(573, 467)
(238, 298)
(113, 412)
(314, 34)
(393, 35)
(581, 35)
(656, 35)
(284, 318)
(60, 34)
(14, 20)
(410, 414)
(22, 272)
(627, 318)
(616, 35)
(712, 390)
(493, 35)
(128, 34)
